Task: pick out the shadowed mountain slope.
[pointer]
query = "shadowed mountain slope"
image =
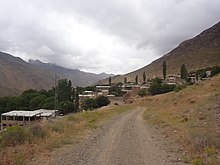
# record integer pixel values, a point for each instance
(16, 75)
(199, 52)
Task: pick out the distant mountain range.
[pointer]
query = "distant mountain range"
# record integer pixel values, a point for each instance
(199, 52)
(78, 78)
(16, 75)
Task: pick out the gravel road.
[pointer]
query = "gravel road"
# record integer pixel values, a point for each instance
(123, 140)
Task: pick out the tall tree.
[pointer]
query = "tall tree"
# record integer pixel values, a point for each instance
(144, 77)
(164, 70)
(110, 80)
(125, 80)
(136, 79)
(64, 90)
(183, 72)
(77, 99)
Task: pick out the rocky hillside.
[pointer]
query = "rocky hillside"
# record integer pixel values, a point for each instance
(78, 78)
(198, 52)
(17, 75)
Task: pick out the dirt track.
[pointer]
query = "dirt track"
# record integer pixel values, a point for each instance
(123, 140)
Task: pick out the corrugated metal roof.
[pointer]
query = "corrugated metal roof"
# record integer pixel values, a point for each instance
(22, 113)
(43, 112)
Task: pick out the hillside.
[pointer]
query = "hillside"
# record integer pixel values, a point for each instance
(199, 52)
(78, 78)
(18, 75)
(189, 117)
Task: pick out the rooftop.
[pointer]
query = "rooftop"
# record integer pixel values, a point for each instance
(22, 113)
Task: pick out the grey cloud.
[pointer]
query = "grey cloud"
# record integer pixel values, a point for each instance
(133, 32)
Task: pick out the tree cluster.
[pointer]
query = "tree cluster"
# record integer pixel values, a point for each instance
(157, 87)
(62, 97)
(214, 70)
(90, 103)
(28, 100)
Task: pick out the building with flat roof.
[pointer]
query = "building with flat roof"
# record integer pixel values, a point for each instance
(19, 117)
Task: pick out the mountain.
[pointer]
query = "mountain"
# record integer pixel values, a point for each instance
(16, 75)
(199, 52)
(78, 78)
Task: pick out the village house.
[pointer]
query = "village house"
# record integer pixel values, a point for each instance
(173, 79)
(102, 90)
(192, 77)
(19, 117)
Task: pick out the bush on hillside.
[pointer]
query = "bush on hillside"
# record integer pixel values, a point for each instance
(66, 107)
(179, 87)
(157, 87)
(89, 104)
(102, 101)
(13, 135)
(142, 92)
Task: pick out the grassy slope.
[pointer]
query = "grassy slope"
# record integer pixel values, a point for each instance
(191, 117)
(47, 136)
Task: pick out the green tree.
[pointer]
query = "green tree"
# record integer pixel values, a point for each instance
(76, 102)
(49, 103)
(183, 72)
(89, 104)
(66, 107)
(125, 80)
(37, 102)
(110, 80)
(164, 70)
(102, 101)
(64, 90)
(144, 77)
(136, 79)
(157, 87)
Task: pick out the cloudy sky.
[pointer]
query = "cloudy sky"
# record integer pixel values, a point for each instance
(113, 36)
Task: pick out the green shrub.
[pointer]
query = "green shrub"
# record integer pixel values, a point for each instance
(197, 161)
(215, 70)
(179, 88)
(14, 135)
(157, 87)
(102, 101)
(142, 92)
(210, 151)
(66, 107)
(89, 104)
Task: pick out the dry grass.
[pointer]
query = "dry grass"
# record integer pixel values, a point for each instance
(47, 136)
(191, 117)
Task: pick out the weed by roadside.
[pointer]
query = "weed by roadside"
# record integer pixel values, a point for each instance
(47, 136)
(191, 118)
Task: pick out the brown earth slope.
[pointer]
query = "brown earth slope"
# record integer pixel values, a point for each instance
(191, 117)
(199, 52)
(16, 76)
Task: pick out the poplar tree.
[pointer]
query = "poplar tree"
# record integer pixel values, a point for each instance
(183, 72)
(164, 70)
(144, 77)
(136, 79)
(125, 80)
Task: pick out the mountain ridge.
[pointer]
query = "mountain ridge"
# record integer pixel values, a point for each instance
(18, 75)
(198, 52)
